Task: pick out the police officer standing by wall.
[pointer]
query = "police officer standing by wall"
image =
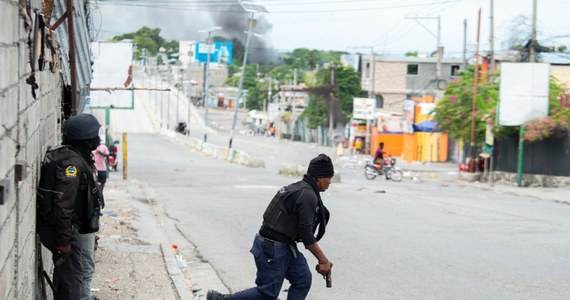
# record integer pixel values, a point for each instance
(293, 216)
(69, 207)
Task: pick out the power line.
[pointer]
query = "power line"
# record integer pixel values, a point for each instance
(203, 7)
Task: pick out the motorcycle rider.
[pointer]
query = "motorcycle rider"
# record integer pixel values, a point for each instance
(379, 155)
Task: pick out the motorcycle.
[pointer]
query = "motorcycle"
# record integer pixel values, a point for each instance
(113, 160)
(388, 169)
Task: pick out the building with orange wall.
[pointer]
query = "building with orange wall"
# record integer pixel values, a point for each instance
(416, 146)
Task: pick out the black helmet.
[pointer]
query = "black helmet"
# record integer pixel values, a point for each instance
(81, 127)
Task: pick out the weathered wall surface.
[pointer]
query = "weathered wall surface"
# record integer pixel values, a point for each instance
(27, 127)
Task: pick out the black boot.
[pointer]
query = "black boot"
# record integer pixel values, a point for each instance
(215, 295)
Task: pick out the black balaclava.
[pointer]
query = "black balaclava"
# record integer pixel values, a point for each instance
(85, 148)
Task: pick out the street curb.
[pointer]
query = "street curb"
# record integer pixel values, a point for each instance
(233, 155)
(295, 170)
(175, 273)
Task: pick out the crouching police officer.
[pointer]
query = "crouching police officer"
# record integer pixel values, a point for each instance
(293, 216)
(69, 205)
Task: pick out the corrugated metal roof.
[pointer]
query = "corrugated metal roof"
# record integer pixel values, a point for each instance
(555, 58)
(412, 59)
(82, 45)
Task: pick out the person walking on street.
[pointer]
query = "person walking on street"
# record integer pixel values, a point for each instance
(100, 154)
(68, 207)
(292, 216)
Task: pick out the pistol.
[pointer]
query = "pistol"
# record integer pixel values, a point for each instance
(59, 258)
(327, 278)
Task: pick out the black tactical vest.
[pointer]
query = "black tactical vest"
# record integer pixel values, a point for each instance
(276, 216)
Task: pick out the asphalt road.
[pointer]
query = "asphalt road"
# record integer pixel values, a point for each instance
(425, 239)
(387, 240)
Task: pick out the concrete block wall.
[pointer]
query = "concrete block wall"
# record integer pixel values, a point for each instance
(27, 127)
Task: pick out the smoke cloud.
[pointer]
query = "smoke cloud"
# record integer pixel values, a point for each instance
(234, 21)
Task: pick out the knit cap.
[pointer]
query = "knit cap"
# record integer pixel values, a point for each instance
(321, 166)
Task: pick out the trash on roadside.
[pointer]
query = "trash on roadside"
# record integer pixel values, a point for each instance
(179, 259)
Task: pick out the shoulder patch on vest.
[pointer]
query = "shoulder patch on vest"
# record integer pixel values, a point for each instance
(71, 171)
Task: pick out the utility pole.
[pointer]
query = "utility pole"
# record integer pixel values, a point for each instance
(250, 8)
(168, 105)
(439, 53)
(532, 59)
(178, 95)
(266, 102)
(207, 79)
(189, 100)
(207, 86)
(492, 37)
(331, 107)
(293, 117)
(464, 44)
(371, 91)
(161, 103)
(532, 54)
(474, 102)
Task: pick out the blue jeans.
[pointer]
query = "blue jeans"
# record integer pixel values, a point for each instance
(274, 265)
(87, 244)
(68, 277)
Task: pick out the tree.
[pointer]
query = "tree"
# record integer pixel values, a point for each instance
(306, 59)
(558, 117)
(520, 38)
(149, 39)
(315, 113)
(453, 112)
(348, 86)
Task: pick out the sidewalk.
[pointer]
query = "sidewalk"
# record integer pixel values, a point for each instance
(136, 258)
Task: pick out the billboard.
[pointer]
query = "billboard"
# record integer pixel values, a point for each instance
(221, 52)
(111, 69)
(523, 93)
(364, 108)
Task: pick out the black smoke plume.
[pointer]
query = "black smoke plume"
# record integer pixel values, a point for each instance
(234, 21)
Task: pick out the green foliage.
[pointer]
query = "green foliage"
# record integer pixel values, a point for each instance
(347, 83)
(282, 73)
(149, 39)
(315, 113)
(304, 60)
(558, 118)
(454, 111)
(307, 59)
(411, 54)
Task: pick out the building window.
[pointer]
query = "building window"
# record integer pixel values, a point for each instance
(367, 70)
(454, 70)
(413, 69)
(379, 101)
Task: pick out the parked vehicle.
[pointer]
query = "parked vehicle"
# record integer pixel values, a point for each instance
(182, 127)
(388, 169)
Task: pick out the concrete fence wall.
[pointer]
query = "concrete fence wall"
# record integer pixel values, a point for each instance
(27, 127)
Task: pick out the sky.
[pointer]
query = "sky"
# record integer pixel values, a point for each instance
(389, 27)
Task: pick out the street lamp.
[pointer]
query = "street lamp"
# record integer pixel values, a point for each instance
(206, 80)
(251, 8)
